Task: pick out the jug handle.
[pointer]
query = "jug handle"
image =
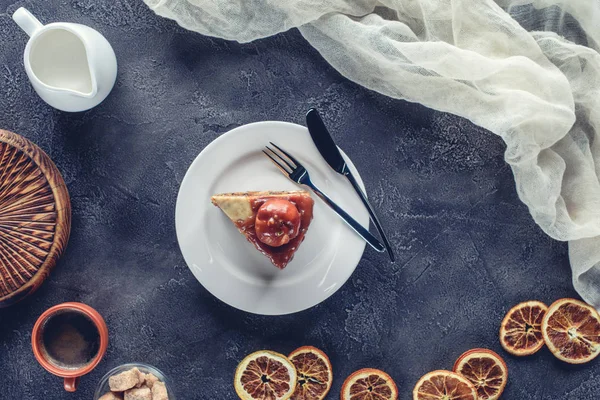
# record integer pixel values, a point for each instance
(26, 21)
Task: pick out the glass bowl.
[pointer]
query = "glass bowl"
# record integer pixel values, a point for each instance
(145, 368)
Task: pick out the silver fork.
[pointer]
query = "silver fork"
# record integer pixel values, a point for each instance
(297, 173)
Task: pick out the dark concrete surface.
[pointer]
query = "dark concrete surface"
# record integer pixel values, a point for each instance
(467, 248)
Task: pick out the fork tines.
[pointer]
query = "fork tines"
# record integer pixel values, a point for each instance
(290, 162)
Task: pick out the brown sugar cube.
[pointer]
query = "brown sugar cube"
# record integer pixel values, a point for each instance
(141, 377)
(112, 396)
(142, 393)
(149, 380)
(159, 391)
(123, 381)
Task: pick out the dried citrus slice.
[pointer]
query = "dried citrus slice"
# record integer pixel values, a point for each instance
(486, 370)
(369, 384)
(265, 375)
(571, 331)
(521, 329)
(314, 373)
(444, 385)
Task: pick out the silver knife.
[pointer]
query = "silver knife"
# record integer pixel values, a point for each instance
(330, 152)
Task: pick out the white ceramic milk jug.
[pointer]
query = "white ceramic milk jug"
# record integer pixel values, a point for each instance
(71, 66)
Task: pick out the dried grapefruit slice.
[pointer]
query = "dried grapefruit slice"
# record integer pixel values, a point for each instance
(521, 329)
(314, 373)
(265, 375)
(486, 370)
(444, 385)
(369, 384)
(571, 331)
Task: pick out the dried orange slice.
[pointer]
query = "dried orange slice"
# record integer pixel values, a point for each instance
(486, 370)
(265, 375)
(369, 384)
(314, 373)
(571, 331)
(444, 385)
(521, 329)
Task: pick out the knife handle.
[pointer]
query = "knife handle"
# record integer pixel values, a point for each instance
(357, 227)
(374, 218)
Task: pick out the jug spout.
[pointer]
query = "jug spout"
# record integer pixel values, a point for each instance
(86, 84)
(92, 92)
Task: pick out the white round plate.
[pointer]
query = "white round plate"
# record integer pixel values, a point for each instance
(229, 266)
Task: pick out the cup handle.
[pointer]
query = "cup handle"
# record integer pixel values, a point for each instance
(26, 21)
(71, 384)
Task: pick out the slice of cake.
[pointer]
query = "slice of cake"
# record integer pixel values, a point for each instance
(274, 222)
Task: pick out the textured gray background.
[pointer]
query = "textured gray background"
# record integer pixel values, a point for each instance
(467, 248)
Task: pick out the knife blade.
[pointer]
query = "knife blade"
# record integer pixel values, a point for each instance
(324, 142)
(330, 152)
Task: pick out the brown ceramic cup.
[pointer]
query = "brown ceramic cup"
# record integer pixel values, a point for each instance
(58, 344)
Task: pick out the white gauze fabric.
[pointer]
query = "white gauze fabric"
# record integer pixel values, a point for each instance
(527, 70)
